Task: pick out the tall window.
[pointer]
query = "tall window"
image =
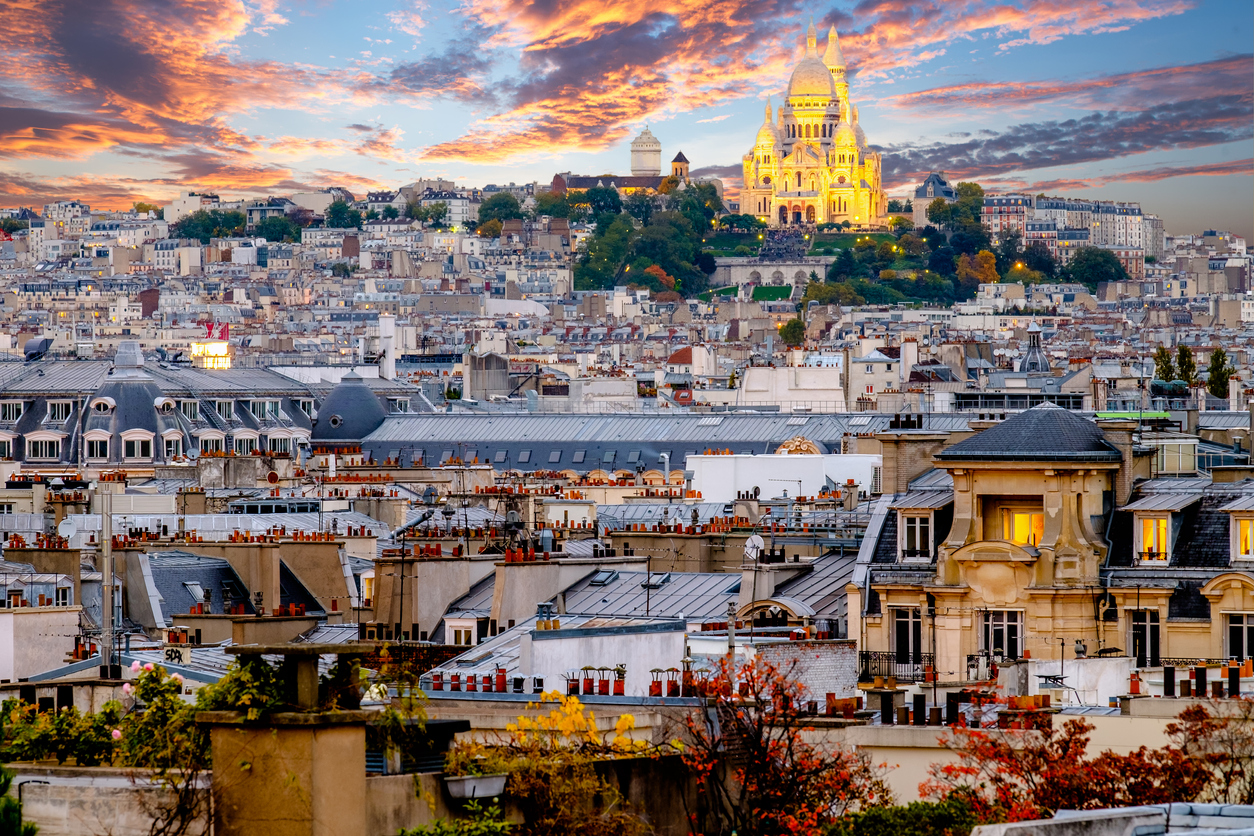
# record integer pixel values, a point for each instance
(1154, 540)
(245, 446)
(10, 411)
(173, 447)
(1027, 528)
(210, 445)
(190, 410)
(1002, 633)
(98, 449)
(225, 409)
(918, 537)
(138, 448)
(1240, 635)
(263, 410)
(908, 635)
(59, 411)
(280, 445)
(1145, 638)
(1245, 537)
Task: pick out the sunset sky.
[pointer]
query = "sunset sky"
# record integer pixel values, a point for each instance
(114, 101)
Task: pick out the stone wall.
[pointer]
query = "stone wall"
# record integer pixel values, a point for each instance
(71, 801)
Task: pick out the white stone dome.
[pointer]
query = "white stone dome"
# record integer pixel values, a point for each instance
(845, 134)
(811, 78)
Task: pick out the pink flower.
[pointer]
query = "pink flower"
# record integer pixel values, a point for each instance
(177, 678)
(126, 688)
(135, 666)
(150, 666)
(117, 734)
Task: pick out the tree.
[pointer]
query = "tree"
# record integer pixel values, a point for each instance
(900, 224)
(1222, 738)
(1219, 372)
(1008, 252)
(204, 224)
(277, 228)
(390, 212)
(955, 816)
(340, 215)
(778, 783)
(603, 199)
(141, 207)
(490, 229)
(1091, 266)
(1015, 775)
(436, 213)
(501, 206)
(942, 261)
(640, 206)
(1186, 365)
(552, 204)
(598, 267)
(1036, 257)
(938, 212)
(977, 270)
(340, 270)
(793, 332)
(1022, 275)
(1164, 366)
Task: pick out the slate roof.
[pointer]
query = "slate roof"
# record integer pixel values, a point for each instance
(823, 587)
(886, 545)
(1203, 540)
(1042, 433)
(172, 570)
(1188, 602)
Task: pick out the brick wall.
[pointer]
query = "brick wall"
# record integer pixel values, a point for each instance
(823, 667)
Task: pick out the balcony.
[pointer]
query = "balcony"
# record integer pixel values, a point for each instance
(1152, 557)
(906, 667)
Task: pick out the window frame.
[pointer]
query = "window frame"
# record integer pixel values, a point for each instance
(49, 449)
(12, 411)
(1010, 624)
(1160, 525)
(1010, 525)
(190, 410)
(133, 449)
(93, 442)
(68, 406)
(911, 523)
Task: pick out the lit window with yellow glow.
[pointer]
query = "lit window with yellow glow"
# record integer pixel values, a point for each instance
(1154, 538)
(1245, 538)
(211, 355)
(1027, 528)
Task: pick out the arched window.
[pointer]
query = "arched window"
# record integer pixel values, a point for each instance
(798, 181)
(807, 131)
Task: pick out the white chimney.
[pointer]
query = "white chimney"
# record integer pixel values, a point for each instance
(909, 358)
(387, 345)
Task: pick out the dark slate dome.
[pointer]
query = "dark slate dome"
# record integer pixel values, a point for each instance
(350, 413)
(1043, 433)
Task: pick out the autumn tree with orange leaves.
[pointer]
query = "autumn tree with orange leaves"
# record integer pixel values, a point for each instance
(755, 775)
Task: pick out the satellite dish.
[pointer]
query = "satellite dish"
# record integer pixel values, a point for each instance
(67, 528)
(754, 547)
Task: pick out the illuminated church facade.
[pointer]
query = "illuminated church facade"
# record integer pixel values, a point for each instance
(810, 163)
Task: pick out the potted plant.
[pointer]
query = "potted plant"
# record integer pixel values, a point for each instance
(472, 770)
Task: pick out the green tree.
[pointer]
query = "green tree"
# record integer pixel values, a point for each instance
(552, 204)
(277, 229)
(340, 215)
(793, 333)
(1164, 366)
(606, 251)
(340, 270)
(603, 199)
(1219, 372)
(953, 816)
(501, 206)
(895, 205)
(491, 229)
(1009, 252)
(1186, 365)
(391, 213)
(436, 213)
(938, 212)
(1091, 266)
(1036, 257)
(640, 206)
(142, 207)
(204, 224)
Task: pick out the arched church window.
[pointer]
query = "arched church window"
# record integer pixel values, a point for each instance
(798, 181)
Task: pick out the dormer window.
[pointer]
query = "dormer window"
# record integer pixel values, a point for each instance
(916, 542)
(10, 411)
(1154, 544)
(59, 411)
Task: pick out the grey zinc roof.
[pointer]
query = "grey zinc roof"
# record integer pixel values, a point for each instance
(924, 499)
(1245, 503)
(1042, 433)
(1164, 501)
(695, 595)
